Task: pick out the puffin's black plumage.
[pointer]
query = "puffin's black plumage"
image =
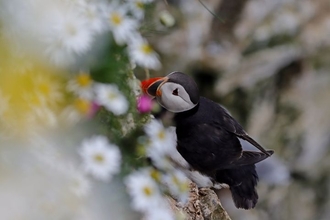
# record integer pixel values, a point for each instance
(207, 138)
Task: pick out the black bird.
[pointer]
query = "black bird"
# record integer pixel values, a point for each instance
(207, 137)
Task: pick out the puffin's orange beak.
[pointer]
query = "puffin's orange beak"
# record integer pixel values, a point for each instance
(151, 86)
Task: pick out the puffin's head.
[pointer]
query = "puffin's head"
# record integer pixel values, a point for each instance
(177, 92)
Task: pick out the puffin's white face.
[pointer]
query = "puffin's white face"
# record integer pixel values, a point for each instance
(174, 97)
(177, 92)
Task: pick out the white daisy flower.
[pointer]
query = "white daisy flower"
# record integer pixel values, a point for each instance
(159, 160)
(178, 185)
(79, 184)
(70, 32)
(142, 54)
(136, 7)
(162, 140)
(109, 96)
(82, 86)
(91, 11)
(100, 158)
(67, 36)
(161, 147)
(173, 153)
(154, 128)
(56, 31)
(122, 27)
(144, 191)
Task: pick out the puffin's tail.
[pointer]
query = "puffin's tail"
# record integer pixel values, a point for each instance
(242, 182)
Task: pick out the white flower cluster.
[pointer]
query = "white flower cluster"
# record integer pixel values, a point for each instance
(162, 151)
(147, 186)
(147, 197)
(65, 31)
(101, 159)
(90, 95)
(111, 98)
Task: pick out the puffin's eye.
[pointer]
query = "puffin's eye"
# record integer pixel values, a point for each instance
(175, 92)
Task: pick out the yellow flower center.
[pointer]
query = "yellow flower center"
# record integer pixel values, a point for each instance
(34, 100)
(112, 96)
(147, 191)
(84, 79)
(44, 88)
(71, 30)
(147, 49)
(33, 93)
(175, 180)
(155, 174)
(139, 4)
(90, 14)
(183, 186)
(83, 106)
(161, 135)
(99, 158)
(116, 18)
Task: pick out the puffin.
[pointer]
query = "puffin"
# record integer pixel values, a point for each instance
(208, 138)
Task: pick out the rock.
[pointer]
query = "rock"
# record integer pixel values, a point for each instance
(203, 204)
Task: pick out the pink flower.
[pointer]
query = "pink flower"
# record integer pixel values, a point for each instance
(144, 104)
(93, 109)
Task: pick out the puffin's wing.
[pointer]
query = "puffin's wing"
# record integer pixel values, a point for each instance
(254, 143)
(248, 158)
(231, 125)
(208, 148)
